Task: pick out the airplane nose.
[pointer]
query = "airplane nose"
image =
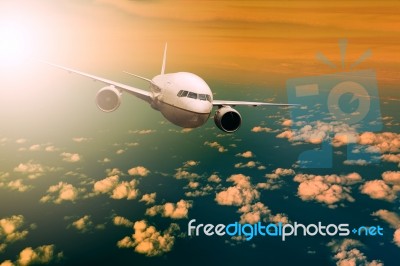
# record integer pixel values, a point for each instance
(202, 107)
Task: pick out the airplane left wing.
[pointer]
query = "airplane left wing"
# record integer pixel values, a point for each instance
(234, 103)
(141, 94)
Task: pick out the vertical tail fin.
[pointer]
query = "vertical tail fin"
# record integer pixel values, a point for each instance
(164, 60)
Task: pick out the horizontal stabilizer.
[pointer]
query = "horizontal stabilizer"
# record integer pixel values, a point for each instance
(146, 79)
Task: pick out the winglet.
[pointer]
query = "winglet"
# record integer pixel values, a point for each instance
(164, 60)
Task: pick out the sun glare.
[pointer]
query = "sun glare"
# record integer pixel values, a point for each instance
(16, 44)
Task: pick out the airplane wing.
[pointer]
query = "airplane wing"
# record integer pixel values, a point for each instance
(142, 94)
(234, 103)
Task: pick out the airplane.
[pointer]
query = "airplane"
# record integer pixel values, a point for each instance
(183, 98)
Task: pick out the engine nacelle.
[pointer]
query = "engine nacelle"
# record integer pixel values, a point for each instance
(108, 99)
(227, 119)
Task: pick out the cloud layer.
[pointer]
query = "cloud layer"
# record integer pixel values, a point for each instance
(148, 241)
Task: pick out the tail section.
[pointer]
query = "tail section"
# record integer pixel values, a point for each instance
(162, 67)
(164, 60)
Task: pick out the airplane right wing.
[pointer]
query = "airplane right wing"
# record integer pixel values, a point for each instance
(141, 94)
(234, 103)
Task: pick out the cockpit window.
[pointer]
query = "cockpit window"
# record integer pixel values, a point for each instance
(202, 97)
(184, 94)
(192, 95)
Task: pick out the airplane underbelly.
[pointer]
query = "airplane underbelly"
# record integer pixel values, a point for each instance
(181, 117)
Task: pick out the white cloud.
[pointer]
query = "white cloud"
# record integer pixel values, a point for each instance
(240, 194)
(11, 230)
(149, 198)
(279, 218)
(7, 263)
(147, 240)
(142, 132)
(51, 148)
(243, 194)
(246, 154)
(33, 170)
(174, 211)
(125, 190)
(186, 130)
(114, 171)
(250, 164)
(83, 224)
(216, 145)
(70, 157)
(35, 147)
(183, 174)
(40, 255)
(344, 138)
(347, 253)
(120, 151)
(253, 213)
(132, 144)
(328, 189)
(105, 160)
(4, 175)
(198, 189)
(80, 139)
(116, 189)
(391, 177)
(258, 129)
(393, 219)
(387, 142)
(193, 185)
(191, 163)
(356, 162)
(392, 158)
(3, 140)
(122, 221)
(396, 237)
(21, 141)
(287, 134)
(106, 185)
(18, 185)
(273, 180)
(214, 178)
(378, 189)
(278, 172)
(138, 171)
(196, 193)
(287, 123)
(61, 192)
(318, 131)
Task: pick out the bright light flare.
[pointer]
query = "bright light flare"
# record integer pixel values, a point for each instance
(16, 43)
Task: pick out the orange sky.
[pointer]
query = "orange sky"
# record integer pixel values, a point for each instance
(221, 39)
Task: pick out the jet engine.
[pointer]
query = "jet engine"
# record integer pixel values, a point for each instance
(227, 119)
(108, 99)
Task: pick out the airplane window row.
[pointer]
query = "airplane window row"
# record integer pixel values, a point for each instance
(203, 97)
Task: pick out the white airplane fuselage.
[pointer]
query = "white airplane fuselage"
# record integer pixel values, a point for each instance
(191, 109)
(183, 98)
